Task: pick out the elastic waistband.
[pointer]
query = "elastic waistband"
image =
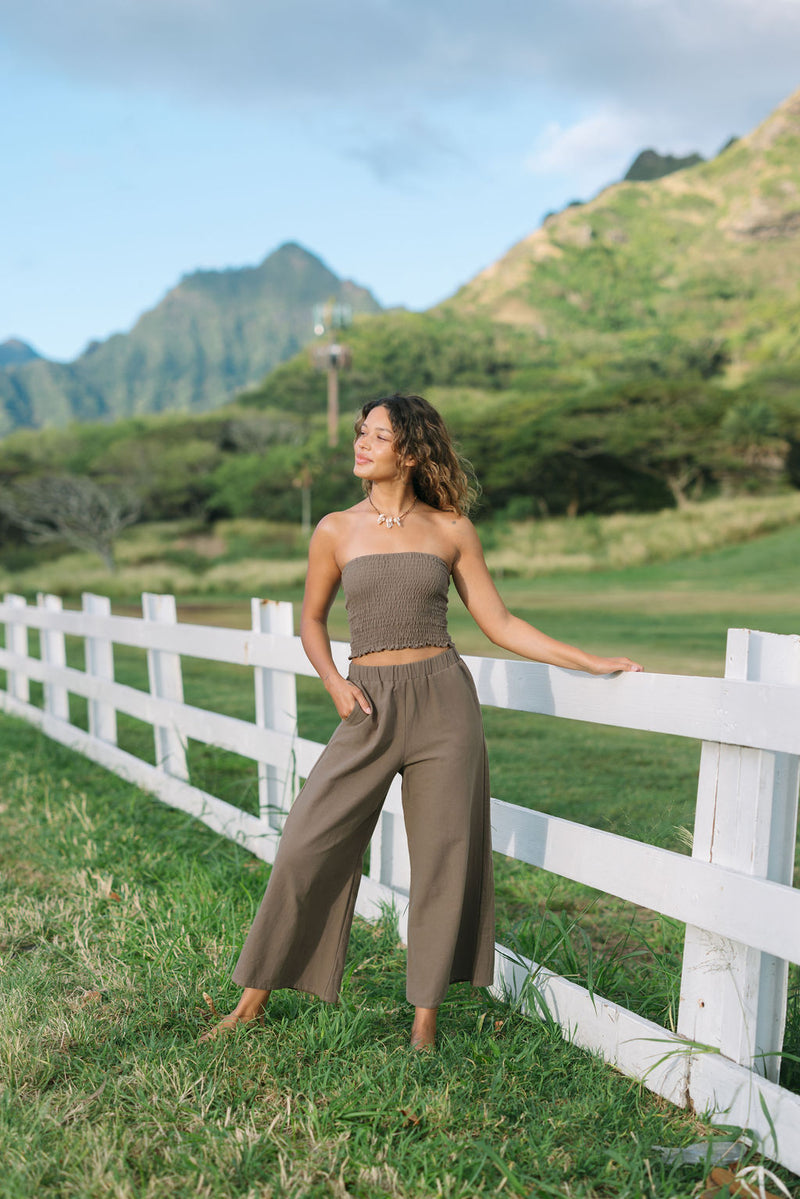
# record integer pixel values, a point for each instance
(405, 670)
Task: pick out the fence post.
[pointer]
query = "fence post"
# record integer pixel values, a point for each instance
(53, 653)
(18, 683)
(276, 709)
(99, 653)
(166, 682)
(389, 862)
(732, 996)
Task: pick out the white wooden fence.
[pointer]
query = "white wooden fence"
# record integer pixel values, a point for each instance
(734, 893)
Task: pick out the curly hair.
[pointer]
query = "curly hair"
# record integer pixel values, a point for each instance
(442, 477)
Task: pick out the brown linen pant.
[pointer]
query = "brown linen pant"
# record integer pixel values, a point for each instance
(425, 725)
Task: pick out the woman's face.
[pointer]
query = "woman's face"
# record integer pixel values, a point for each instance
(375, 456)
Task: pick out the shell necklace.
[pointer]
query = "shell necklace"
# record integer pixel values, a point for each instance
(391, 521)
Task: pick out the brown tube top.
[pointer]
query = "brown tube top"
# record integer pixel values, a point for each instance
(396, 601)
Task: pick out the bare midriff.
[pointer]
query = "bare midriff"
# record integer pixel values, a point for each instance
(397, 657)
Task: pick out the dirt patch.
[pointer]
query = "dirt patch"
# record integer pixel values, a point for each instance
(206, 545)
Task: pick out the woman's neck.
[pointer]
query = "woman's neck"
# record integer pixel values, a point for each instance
(392, 498)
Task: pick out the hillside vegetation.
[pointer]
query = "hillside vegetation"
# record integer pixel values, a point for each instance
(706, 253)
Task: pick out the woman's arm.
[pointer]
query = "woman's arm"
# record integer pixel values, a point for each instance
(322, 583)
(477, 590)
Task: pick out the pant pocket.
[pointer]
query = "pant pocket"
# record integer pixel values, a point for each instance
(355, 715)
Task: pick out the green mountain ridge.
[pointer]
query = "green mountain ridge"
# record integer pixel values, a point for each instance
(212, 335)
(14, 351)
(649, 164)
(711, 252)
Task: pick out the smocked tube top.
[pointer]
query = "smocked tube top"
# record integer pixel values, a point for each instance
(396, 601)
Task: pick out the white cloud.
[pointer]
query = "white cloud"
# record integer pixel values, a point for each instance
(590, 149)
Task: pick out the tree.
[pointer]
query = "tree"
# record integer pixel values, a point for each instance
(665, 429)
(752, 452)
(170, 474)
(71, 508)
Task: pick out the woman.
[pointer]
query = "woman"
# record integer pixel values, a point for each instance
(408, 706)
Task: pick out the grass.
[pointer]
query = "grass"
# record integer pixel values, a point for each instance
(531, 549)
(120, 913)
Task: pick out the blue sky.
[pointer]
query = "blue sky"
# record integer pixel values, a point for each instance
(409, 143)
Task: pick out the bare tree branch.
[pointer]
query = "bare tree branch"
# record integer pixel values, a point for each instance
(71, 508)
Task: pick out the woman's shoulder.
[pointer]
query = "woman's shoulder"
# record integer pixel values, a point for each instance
(454, 525)
(338, 522)
(336, 527)
(452, 534)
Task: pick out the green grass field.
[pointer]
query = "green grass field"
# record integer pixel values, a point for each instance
(119, 914)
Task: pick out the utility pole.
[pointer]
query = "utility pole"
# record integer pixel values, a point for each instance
(303, 483)
(329, 355)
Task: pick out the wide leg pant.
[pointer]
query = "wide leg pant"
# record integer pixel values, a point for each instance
(425, 725)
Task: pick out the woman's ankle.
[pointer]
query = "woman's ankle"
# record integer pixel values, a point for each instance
(423, 1030)
(252, 1004)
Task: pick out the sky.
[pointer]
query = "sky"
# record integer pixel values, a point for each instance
(408, 143)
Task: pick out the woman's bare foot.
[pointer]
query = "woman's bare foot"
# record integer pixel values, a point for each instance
(423, 1030)
(249, 1010)
(227, 1024)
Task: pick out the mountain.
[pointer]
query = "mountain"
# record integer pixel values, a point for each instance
(14, 351)
(707, 255)
(649, 164)
(213, 334)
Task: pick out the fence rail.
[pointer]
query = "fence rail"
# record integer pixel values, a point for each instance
(734, 893)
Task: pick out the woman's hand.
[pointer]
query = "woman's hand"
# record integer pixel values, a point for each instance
(346, 695)
(598, 665)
